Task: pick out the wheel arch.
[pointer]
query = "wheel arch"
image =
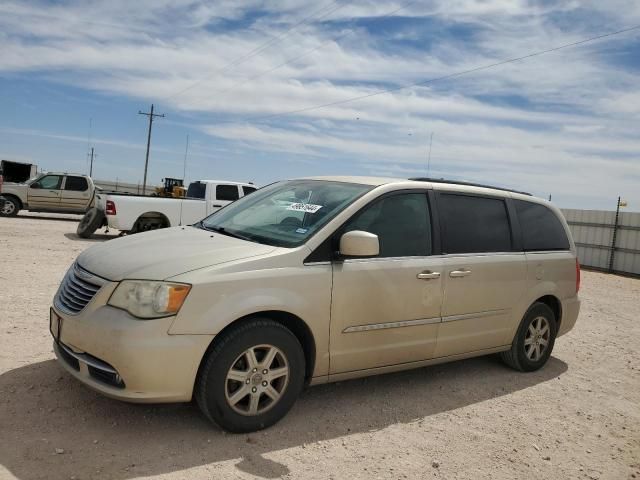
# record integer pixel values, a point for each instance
(554, 304)
(153, 215)
(14, 198)
(295, 324)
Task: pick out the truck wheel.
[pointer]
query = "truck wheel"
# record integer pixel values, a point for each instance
(10, 208)
(251, 376)
(91, 221)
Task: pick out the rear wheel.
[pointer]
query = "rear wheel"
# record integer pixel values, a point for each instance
(10, 208)
(534, 341)
(91, 221)
(251, 377)
(147, 223)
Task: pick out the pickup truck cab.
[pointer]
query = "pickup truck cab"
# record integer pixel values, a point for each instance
(49, 192)
(133, 214)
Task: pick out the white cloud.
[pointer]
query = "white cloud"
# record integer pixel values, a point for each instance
(536, 122)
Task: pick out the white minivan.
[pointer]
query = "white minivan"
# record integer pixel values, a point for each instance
(316, 280)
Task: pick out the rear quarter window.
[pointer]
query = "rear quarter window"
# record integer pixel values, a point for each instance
(541, 228)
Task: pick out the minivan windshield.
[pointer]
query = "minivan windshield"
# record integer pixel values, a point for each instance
(284, 214)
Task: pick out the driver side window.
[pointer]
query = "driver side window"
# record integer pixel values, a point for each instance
(48, 182)
(401, 222)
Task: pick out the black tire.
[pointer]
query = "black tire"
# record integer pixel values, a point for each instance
(10, 207)
(212, 385)
(146, 224)
(91, 221)
(519, 356)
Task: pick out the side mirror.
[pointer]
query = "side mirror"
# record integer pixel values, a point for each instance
(35, 185)
(359, 244)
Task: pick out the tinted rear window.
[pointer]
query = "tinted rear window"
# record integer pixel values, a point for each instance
(473, 224)
(76, 184)
(227, 192)
(541, 229)
(248, 190)
(197, 190)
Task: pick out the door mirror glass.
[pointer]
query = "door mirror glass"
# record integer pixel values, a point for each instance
(359, 244)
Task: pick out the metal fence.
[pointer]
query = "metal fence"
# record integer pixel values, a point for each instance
(123, 187)
(608, 241)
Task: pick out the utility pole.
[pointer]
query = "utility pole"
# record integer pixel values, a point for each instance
(91, 164)
(146, 160)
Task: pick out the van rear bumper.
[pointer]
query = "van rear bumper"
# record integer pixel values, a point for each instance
(570, 311)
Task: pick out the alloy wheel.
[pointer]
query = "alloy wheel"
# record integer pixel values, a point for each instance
(537, 338)
(9, 208)
(257, 380)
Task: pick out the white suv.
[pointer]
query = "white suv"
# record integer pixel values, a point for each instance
(316, 280)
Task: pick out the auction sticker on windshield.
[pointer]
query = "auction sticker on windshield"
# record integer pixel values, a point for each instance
(304, 207)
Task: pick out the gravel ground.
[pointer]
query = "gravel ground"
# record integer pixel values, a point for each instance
(579, 417)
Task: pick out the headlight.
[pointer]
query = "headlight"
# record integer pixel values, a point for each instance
(144, 299)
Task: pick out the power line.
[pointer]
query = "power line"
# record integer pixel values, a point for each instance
(260, 48)
(436, 79)
(308, 52)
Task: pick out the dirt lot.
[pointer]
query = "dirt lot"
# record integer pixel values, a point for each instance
(579, 417)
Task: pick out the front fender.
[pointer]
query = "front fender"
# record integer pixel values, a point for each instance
(303, 291)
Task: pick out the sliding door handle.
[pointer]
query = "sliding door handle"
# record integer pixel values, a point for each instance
(428, 275)
(459, 273)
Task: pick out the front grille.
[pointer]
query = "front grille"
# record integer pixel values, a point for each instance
(77, 289)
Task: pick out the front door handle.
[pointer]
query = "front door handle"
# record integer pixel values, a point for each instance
(459, 273)
(428, 275)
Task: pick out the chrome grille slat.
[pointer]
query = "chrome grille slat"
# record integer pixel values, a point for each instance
(70, 300)
(83, 285)
(77, 290)
(85, 296)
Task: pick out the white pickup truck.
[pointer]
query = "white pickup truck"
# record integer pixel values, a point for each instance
(134, 213)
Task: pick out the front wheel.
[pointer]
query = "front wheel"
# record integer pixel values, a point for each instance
(10, 207)
(533, 343)
(251, 377)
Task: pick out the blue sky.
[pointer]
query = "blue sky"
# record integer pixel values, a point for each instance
(564, 124)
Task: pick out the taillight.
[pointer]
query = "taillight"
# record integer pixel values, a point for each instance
(577, 275)
(110, 208)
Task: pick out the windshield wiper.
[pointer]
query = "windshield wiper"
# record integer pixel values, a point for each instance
(226, 232)
(200, 224)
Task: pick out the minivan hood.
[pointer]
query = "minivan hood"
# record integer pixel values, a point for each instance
(164, 253)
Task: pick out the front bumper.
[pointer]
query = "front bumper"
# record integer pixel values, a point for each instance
(129, 359)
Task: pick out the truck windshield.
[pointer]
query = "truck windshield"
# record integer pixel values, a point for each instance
(285, 214)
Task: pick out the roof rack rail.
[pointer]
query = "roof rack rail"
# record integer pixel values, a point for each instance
(461, 182)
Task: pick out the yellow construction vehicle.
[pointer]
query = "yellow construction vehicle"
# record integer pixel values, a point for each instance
(173, 187)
